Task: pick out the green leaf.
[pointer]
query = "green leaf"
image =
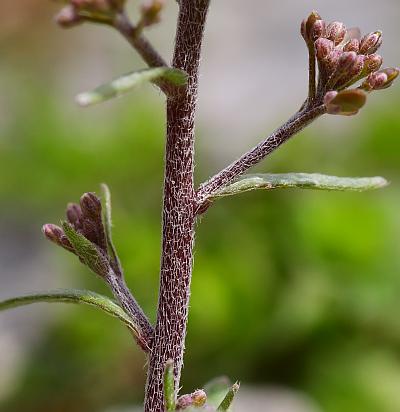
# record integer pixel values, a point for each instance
(73, 296)
(127, 82)
(169, 386)
(88, 252)
(216, 390)
(302, 181)
(108, 222)
(227, 402)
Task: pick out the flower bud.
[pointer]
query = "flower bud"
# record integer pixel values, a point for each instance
(371, 42)
(352, 45)
(332, 61)
(323, 48)
(372, 63)
(74, 214)
(346, 61)
(196, 399)
(352, 74)
(68, 17)
(380, 80)
(56, 235)
(151, 11)
(91, 206)
(336, 32)
(307, 26)
(318, 30)
(345, 103)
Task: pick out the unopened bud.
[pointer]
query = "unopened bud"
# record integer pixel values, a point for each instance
(346, 61)
(371, 42)
(323, 48)
(336, 32)
(380, 80)
(196, 399)
(91, 205)
(74, 214)
(151, 11)
(307, 26)
(68, 17)
(345, 103)
(352, 45)
(332, 61)
(352, 73)
(56, 235)
(318, 30)
(372, 63)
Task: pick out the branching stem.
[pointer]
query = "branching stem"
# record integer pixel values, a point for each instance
(178, 208)
(255, 155)
(122, 293)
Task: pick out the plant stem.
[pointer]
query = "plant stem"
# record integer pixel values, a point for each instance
(138, 41)
(255, 155)
(178, 208)
(121, 292)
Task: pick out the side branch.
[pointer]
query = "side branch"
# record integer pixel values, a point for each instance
(121, 292)
(255, 155)
(138, 41)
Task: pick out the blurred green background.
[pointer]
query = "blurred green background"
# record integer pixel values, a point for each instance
(290, 289)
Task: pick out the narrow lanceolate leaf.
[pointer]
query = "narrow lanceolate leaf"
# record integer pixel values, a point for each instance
(108, 221)
(73, 296)
(127, 82)
(300, 180)
(88, 252)
(169, 386)
(216, 390)
(227, 402)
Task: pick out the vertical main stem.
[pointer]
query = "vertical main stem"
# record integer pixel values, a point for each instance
(178, 208)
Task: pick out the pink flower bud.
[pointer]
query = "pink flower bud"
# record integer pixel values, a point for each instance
(346, 61)
(68, 17)
(336, 32)
(332, 61)
(323, 48)
(380, 80)
(196, 399)
(307, 26)
(345, 103)
(371, 42)
(318, 30)
(372, 63)
(56, 235)
(352, 45)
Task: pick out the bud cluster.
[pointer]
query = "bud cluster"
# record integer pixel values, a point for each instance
(344, 58)
(78, 11)
(85, 219)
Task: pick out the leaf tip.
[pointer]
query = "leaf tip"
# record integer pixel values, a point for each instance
(86, 99)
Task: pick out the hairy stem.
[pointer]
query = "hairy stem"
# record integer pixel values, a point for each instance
(138, 41)
(178, 208)
(121, 292)
(255, 155)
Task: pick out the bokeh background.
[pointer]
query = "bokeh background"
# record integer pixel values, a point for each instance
(296, 294)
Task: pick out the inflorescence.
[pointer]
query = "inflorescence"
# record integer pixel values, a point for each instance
(343, 58)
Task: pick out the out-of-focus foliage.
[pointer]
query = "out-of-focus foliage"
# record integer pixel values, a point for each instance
(291, 288)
